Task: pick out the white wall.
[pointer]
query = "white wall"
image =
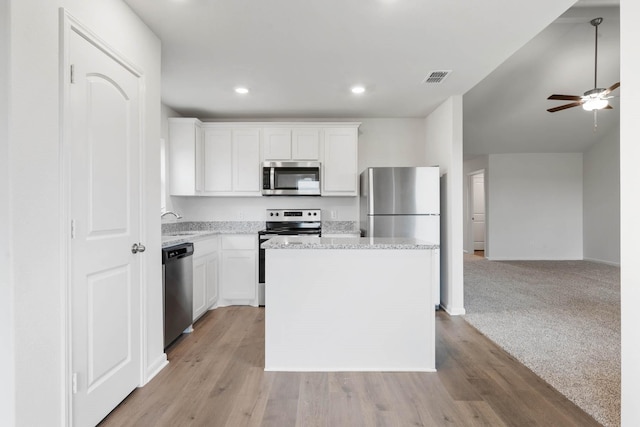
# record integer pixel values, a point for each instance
(391, 142)
(536, 206)
(7, 361)
(444, 148)
(630, 206)
(36, 205)
(470, 166)
(381, 142)
(601, 214)
(253, 208)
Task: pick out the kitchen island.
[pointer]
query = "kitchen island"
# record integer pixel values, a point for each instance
(349, 304)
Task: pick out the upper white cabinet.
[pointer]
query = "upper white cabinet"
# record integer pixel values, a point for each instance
(213, 159)
(340, 161)
(291, 143)
(185, 134)
(305, 144)
(229, 161)
(276, 143)
(246, 161)
(214, 167)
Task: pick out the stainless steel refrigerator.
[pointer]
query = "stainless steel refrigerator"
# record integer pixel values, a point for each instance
(402, 202)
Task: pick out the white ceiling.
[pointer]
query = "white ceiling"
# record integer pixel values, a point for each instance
(506, 112)
(300, 57)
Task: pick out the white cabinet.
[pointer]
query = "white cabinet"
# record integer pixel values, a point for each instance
(238, 269)
(276, 143)
(223, 159)
(205, 275)
(246, 161)
(297, 143)
(215, 161)
(229, 161)
(185, 135)
(305, 144)
(340, 161)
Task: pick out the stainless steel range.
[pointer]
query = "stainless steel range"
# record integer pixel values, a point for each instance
(286, 222)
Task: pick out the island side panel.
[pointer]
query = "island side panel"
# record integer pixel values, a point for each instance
(349, 310)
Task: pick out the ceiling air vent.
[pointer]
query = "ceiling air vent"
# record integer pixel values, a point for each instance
(436, 76)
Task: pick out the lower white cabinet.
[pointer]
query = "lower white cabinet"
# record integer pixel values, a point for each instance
(238, 269)
(205, 275)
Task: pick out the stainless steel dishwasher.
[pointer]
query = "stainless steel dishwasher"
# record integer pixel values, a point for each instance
(177, 290)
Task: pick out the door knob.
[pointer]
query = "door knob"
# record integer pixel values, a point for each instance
(137, 247)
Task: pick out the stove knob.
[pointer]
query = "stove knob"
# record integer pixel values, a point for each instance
(271, 214)
(277, 213)
(315, 213)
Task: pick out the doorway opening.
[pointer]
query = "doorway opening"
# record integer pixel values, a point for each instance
(477, 212)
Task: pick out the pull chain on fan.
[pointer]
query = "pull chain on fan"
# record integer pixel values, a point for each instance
(594, 99)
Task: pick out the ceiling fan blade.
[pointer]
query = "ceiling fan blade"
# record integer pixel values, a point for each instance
(611, 89)
(564, 107)
(565, 97)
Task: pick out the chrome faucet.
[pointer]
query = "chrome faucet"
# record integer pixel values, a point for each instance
(178, 216)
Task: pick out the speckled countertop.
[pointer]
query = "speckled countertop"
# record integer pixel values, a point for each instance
(175, 233)
(340, 227)
(310, 242)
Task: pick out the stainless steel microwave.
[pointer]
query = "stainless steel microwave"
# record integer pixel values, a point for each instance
(291, 178)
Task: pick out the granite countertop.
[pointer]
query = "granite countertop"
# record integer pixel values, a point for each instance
(177, 238)
(175, 233)
(340, 227)
(311, 242)
(183, 232)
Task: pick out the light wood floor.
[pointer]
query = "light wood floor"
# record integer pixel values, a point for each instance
(216, 378)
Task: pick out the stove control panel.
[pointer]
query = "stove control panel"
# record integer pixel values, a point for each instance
(294, 214)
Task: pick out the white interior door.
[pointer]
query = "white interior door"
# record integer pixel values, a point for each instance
(478, 215)
(105, 309)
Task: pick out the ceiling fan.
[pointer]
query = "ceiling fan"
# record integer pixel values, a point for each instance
(594, 99)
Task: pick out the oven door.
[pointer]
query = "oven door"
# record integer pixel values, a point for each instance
(262, 237)
(261, 257)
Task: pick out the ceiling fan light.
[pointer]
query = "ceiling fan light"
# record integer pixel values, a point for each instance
(595, 104)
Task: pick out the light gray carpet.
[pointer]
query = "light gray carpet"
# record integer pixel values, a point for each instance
(559, 318)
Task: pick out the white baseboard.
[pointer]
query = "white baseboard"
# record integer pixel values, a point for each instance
(157, 366)
(454, 311)
(600, 261)
(499, 258)
(348, 369)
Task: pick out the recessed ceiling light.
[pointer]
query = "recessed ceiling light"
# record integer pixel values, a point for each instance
(358, 89)
(242, 90)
